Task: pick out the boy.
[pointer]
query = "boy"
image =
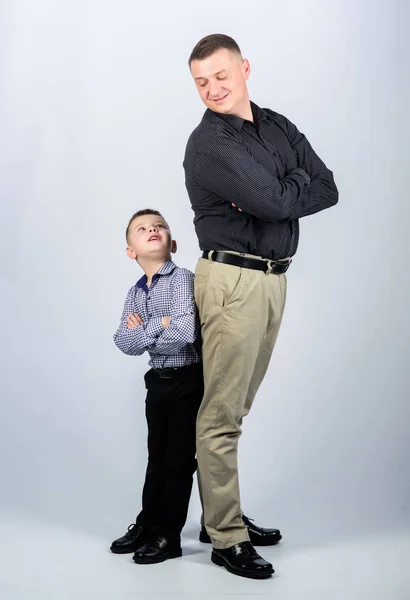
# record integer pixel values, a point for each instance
(160, 317)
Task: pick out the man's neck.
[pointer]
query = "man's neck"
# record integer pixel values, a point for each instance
(151, 267)
(244, 111)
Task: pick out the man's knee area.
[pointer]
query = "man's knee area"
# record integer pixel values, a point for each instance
(222, 434)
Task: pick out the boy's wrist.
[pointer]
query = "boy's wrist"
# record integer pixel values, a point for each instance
(166, 322)
(154, 327)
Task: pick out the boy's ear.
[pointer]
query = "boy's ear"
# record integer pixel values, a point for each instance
(174, 247)
(130, 253)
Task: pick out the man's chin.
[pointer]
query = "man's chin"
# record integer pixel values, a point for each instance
(223, 108)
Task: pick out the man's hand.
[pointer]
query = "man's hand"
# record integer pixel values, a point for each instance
(133, 320)
(166, 322)
(234, 205)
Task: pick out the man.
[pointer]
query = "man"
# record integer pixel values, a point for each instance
(250, 175)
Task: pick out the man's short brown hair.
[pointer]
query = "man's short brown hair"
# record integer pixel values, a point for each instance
(141, 213)
(210, 44)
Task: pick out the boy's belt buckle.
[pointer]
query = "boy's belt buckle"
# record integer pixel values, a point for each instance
(162, 374)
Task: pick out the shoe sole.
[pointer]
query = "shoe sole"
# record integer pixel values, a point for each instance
(250, 575)
(121, 551)
(205, 539)
(153, 561)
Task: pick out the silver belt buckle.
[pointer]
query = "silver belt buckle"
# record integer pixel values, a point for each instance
(270, 265)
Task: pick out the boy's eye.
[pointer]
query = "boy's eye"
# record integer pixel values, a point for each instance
(160, 225)
(141, 228)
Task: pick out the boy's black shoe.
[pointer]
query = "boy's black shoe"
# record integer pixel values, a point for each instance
(242, 559)
(135, 537)
(157, 549)
(259, 536)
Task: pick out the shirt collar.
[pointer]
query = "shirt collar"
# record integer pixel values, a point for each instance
(166, 269)
(259, 115)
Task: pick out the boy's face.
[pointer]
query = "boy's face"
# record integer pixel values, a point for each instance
(149, 237)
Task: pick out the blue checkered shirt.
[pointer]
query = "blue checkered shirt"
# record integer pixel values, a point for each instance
(171, 294)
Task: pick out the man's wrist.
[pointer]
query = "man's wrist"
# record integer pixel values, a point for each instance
(301, 175)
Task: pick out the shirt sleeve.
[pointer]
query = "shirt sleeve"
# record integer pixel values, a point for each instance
(137, 340)
(226, 168)
(184, 325)
(322, 192)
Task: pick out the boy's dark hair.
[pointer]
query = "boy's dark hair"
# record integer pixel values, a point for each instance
(210, 44)
(141, 213)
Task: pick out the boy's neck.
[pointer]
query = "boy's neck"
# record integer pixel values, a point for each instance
(150, 267)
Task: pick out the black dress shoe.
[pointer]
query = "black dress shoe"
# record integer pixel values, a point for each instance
(135, 537)
(157, 549)
(258, 536)
(242, 559)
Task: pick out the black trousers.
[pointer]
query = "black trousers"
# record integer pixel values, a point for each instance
(171, 409)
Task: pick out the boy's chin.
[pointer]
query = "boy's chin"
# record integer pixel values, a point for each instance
(157, 254)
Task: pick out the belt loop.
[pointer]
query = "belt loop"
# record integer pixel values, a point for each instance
(210, 254)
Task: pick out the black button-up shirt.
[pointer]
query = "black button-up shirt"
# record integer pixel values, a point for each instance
(268, 169)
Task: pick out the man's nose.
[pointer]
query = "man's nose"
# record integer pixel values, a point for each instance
(214, 89)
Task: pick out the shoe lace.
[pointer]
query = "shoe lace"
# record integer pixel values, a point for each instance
(133, 526)
(247, 548)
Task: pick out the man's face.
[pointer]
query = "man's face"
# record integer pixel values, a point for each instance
(221, 81)
(149, 236)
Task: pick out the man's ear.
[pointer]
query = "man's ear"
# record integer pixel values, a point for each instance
(130, 253)
(246, 67)
(174, 247)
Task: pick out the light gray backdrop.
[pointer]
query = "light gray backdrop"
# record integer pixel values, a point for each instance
(96, 107)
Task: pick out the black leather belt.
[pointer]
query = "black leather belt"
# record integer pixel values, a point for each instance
(275, 267)
(175, 372)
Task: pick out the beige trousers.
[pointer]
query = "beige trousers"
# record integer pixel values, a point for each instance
(240, 312)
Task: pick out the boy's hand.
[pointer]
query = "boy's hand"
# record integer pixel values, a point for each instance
(133, 320)
(166, 322)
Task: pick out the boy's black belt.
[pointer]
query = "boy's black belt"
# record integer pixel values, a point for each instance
(174, 372)
(275, 267)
